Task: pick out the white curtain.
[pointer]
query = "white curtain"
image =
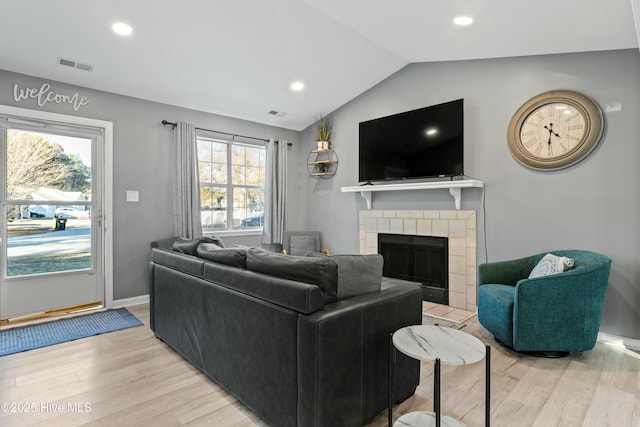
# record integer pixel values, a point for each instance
(186, 189)
(275, 193)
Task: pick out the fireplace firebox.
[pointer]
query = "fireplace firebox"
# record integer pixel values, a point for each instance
(422, 259)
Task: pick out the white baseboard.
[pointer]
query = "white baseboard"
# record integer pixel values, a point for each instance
(142, 299)
(630, 343)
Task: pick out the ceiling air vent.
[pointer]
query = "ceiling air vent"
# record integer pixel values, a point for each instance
(277, 113)
(74, 64)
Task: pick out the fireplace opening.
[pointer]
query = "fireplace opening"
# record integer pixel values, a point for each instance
(422, 259)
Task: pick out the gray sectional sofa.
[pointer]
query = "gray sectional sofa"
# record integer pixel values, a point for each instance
(276, 332)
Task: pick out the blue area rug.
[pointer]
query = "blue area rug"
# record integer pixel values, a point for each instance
(16, 340)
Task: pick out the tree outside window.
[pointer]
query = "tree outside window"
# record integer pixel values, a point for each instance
(35, 162)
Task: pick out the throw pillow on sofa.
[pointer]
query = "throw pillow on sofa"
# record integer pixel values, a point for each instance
(190, 246)
(551, 264)
(357, 274)
(235, 257)
(316, 271)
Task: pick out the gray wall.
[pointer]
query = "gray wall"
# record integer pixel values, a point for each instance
(593, 205)
(142, 155)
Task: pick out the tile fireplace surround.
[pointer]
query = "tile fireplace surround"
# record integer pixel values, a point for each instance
(457, 225)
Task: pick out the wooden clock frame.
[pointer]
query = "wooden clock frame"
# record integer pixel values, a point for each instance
(594, 127)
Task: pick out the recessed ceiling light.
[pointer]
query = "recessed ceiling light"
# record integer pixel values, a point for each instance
(122, 29)
(463, 20)
(297, 86)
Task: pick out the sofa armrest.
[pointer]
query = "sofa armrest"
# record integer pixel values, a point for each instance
(505, 272)
(182, 262)
(564, 309)
(163, 243)
(555, 291)
(343, 357)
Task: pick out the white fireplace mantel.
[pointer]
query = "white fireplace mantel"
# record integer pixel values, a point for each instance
(455, 188)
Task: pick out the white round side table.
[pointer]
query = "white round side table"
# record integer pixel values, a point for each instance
(444, 346)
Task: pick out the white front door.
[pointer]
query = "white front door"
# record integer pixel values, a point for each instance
(52, 218)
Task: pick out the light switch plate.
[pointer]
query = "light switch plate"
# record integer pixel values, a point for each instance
(133, 196)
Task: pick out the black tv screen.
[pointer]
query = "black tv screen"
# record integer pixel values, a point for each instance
(427, 142)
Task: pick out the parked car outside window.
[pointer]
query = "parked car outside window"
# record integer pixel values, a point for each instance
(71, 213)
(252, 221)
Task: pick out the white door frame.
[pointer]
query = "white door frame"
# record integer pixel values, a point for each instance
(107, 194)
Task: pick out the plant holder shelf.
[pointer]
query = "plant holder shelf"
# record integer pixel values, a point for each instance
(322, 163)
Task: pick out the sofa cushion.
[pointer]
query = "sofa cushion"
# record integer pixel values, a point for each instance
(190, 246)
(235, 257)
(551, 264)
(301, 297)
(357, 274)
(322, 272)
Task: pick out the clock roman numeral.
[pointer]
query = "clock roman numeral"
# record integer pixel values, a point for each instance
(528, 143)
(538, 149)
(573, 127)
(531, 132)
(565, 148)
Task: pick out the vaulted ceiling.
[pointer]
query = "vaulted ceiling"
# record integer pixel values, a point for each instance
(239, 58)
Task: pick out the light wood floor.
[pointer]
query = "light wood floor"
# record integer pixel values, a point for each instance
(128, 378)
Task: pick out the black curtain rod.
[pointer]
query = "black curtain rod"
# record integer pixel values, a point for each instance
(164, 122)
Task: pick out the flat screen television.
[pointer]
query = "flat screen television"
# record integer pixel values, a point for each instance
(423, 143)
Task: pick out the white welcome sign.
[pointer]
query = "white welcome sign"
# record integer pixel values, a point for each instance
(44, 94)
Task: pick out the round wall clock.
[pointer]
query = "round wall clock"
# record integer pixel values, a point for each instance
(555, 130)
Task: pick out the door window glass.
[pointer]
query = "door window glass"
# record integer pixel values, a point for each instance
(48, 203)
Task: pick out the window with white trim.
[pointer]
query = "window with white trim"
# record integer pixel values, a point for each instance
(232, 176)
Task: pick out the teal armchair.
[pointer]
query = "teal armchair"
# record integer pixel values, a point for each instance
(556, 313)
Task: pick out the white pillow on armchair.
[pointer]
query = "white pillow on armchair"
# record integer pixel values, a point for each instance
(551, 264)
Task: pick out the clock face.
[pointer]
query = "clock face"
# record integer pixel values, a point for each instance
(555, 130)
